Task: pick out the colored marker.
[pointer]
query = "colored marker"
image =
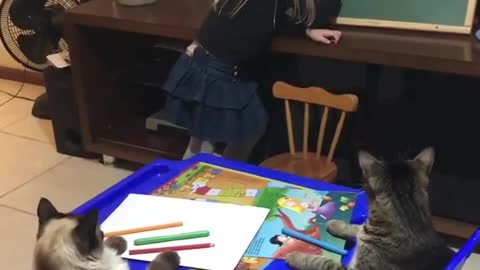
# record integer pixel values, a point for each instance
(167, 249)
(314, 241)
(168, 238)
(144, 229)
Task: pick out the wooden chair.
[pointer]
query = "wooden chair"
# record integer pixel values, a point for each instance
(311, 165)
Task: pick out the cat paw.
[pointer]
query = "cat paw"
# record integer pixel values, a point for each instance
(295, 259)
(171, 257)
(336, 227)
(342, 230)
(165, 261)
(119, 244)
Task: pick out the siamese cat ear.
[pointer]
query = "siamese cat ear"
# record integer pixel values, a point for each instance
(425, 159)
(87, 234)
(46, 211)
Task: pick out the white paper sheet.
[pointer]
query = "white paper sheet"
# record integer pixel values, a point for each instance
(232, 228)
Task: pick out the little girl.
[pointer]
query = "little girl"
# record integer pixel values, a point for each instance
(211, 90)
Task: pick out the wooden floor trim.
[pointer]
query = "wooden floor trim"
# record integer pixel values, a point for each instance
(454, 228)
(14, 74)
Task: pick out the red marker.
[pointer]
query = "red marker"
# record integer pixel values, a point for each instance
(167, 249)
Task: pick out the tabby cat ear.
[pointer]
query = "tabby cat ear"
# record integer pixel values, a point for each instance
(46, 211)
(425, 159)
(367, 163)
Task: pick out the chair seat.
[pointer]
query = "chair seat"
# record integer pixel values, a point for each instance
(304, 165)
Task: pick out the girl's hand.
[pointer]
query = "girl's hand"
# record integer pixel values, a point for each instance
(325, 36)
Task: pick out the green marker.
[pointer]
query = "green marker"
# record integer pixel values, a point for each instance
(169, 238)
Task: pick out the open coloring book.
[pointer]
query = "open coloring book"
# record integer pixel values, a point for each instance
(291, 206)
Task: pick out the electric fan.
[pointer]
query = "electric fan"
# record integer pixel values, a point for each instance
(32, 29)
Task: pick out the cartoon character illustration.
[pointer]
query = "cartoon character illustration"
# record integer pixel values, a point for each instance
(200, 187)
(184, 188)
(293, 204)
(199, 183)
(325, 211)
(209, 175)
(248, 263)
(250, 192)
(279, 239)
(175, 186)
(287, 244)
(202, 190)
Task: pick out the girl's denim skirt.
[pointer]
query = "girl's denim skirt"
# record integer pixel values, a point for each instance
(206, 96)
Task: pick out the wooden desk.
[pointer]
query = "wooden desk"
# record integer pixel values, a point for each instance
(103, 36)
(181, 19)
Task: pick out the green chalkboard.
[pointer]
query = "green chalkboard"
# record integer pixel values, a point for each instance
(441, 15)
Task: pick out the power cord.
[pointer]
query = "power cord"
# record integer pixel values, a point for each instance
(16, 95)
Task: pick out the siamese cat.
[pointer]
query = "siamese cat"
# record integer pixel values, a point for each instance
(74, 242)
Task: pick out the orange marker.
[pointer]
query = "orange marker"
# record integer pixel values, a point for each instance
(144, 229)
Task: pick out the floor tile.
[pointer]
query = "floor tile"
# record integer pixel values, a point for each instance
(3, 97)
(17, 233)
(68, 185)
(473, 263)
(15, 110)
(33, 128)
(9, 86)
(31, 91)
(21, 160)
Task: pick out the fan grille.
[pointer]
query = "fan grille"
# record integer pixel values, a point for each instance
(9, 33)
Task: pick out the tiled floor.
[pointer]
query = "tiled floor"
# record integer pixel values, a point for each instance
(31, 168)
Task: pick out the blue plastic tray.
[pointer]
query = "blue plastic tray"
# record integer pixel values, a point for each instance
(465, 252)
(157, 173)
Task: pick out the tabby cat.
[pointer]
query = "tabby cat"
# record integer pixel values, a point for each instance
(71, 242)
(398, 234)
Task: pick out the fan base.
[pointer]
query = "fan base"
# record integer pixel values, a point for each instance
(40, 107)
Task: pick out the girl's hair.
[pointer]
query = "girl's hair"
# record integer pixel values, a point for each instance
(302, 11)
